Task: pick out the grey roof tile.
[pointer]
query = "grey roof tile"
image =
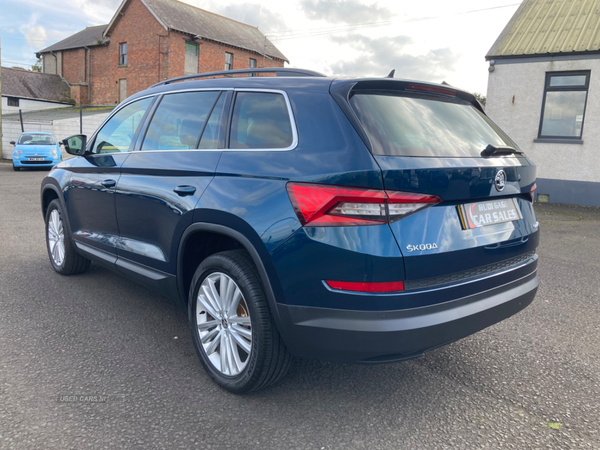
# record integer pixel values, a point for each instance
(85, 38)
(36, 85)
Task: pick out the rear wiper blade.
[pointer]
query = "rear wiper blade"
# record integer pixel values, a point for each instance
(492, 150)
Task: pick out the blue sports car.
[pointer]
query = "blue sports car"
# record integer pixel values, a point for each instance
(36, 150)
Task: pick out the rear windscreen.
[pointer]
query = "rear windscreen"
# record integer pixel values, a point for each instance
(420, 125)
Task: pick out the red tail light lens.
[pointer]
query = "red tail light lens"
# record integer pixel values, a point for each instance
(387, 286)
(430, 89)
(320, 205)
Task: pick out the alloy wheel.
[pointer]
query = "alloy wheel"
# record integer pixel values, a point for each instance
(56, 238)
(224, 326)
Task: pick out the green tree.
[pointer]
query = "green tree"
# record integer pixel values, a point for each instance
(480, 97)
(37, 67)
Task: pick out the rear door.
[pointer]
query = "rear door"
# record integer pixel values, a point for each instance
(162, 181)
(430, 140)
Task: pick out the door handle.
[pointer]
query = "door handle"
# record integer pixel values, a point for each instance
(183, 190)
(109, 183)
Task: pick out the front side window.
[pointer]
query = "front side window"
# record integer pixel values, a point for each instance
(191, 58)
(123, 54)
(179, 120)
(36, 139)
(117, 135)
(228, 61)
(260, 121)
(565, 97)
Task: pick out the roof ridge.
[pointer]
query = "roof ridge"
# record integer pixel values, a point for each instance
(214, 14)
(28, 71)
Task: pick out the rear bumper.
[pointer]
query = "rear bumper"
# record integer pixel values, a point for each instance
(351, 336)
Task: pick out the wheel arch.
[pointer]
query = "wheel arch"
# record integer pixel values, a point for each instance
(50, 193)
(266, 273)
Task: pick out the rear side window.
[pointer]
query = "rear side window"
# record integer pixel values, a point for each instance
(179, 120)
(418, 125)
(261, 121)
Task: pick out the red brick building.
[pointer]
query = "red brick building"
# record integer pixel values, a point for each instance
(148, 41)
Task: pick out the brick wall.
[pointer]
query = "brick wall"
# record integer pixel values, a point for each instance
(139, 29)
(153, 54)
(73, 66)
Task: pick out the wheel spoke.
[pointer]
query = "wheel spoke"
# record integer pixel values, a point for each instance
(233, 351)
(235, 300)
(244, 332)
(210, 349)
(215, 295)
(224, 289)
(203, 326)
(210, 335)
(206, 304)
(241, 341)
(208, 296)
(240, 320)
(223, 354)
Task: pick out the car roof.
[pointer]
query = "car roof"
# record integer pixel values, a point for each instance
(37, 132)
(310, 83)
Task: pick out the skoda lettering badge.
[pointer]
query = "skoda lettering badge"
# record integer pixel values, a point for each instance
(500, 180)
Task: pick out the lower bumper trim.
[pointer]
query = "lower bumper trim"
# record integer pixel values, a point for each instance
(385, 336)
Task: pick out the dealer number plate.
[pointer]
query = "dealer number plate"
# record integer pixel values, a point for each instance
(481, 214)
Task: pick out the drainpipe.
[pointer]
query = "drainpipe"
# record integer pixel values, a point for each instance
(88, 74)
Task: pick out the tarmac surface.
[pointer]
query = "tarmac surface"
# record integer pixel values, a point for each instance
(95, 361)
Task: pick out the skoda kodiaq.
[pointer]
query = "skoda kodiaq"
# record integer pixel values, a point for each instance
(349, 220)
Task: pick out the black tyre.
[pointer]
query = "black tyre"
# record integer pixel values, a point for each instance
(232, 329)
(61, 250)
(16, 169)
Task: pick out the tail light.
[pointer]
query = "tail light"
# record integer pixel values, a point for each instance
(532, 191)
(319, 205)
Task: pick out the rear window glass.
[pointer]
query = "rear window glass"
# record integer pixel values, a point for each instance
(416, 125)
(260, 120)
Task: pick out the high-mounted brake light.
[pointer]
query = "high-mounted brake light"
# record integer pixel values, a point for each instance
(430, 89)
(380, 287)
(319, 205)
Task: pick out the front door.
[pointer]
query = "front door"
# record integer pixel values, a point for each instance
(161, 184)
(122, 89)
(90, 194)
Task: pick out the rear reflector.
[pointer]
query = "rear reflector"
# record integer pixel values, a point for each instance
(319, 205)
(386, 286)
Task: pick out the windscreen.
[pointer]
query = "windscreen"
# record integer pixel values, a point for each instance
(422, 125)
(36, 139)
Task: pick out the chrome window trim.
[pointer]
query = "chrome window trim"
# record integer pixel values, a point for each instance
(291, 116)
(156, 94)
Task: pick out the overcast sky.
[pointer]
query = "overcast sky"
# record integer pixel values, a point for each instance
(432, 40)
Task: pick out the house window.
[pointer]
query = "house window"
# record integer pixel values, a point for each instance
(123, 54)
(563, 109)
(12, 101)
(228, 61)
(252, 66)
(191, 58)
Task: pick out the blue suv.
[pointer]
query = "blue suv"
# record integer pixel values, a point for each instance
(349, 220)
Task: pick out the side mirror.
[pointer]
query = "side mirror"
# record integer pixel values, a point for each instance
(12, 142)
(75, 145)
